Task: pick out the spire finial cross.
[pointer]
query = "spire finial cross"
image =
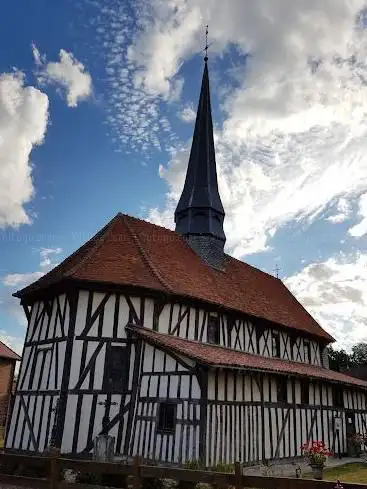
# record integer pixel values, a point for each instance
(206, 44)
(277, 270)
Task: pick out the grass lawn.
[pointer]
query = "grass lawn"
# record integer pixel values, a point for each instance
(356, 472)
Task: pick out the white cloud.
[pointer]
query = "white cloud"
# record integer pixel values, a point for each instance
(45, 254)
(360, 229)
(21, 279)
(188, 114)
(23, 125)
(294, 135)
(69, 73)
(13, 342)
(344, 210)
(16, 281)
(335, 293)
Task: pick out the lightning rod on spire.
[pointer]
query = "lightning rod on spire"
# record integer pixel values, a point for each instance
(206, 44)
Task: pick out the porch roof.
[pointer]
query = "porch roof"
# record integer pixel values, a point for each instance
(219, 356)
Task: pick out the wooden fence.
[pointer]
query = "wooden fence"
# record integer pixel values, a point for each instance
(53, 467)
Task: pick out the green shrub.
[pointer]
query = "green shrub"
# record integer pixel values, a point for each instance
(223, 467)
(193, 465)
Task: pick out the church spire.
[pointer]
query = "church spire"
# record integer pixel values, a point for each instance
(199, 214)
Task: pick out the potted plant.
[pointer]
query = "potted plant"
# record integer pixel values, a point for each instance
(317, 454)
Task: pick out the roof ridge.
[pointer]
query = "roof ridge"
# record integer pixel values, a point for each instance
(253, 267)
(99, 241)
(145, 255)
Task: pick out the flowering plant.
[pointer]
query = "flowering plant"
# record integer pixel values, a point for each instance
(316, 452)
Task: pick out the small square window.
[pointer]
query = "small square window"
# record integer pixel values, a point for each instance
(213, 330)
(275, 344)
(282, 390)
(167, 417)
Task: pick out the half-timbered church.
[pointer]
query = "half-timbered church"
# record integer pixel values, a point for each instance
(177, 350)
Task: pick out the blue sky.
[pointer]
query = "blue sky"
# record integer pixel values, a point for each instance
(97, 101)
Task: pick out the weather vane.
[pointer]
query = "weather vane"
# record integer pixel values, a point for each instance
(206, 43)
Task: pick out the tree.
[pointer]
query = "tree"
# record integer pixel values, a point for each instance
(339, 360)
(359, 354)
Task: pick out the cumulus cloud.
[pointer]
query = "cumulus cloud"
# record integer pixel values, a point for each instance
(343, 209)
(293, 139)
(16, 281)
(188, 114)
(68, 73)
(335, 292)
(23, 125)
(21, 279)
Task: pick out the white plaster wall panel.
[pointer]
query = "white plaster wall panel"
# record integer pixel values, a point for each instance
(61, 360)
(163, 384)
(164, 319)
(75, 363)
(148, 358)
(84, 422)
(191, 330)
(158, 361)
(153, 388)
(43, 442)
(195, 389)
(148, 313)
(46, 370)
(123, 317)
(67, 439)
(170, 364)
(27, 351)
(81, 314)
(144, 386)
(31, 321)
(108, 316)
(12, 423)
(99, 368)
(230, 386)
(221, 385)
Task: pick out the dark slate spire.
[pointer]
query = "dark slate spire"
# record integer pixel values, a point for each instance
(199, 214)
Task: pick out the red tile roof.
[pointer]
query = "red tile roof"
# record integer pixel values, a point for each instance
(129, 251)
(219, 356)
(6, 352)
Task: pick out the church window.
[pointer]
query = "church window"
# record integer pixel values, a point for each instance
(116, 369)
(337, 395)
(282, 389)
(307, 348)
(213, 330)
(305, 392)
(167, 417)
(275, 344)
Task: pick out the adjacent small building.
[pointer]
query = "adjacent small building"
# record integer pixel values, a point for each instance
(8, 360)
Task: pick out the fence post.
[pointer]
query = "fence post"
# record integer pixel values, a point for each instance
(238, 475)
(54, 469)
(136, 472)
